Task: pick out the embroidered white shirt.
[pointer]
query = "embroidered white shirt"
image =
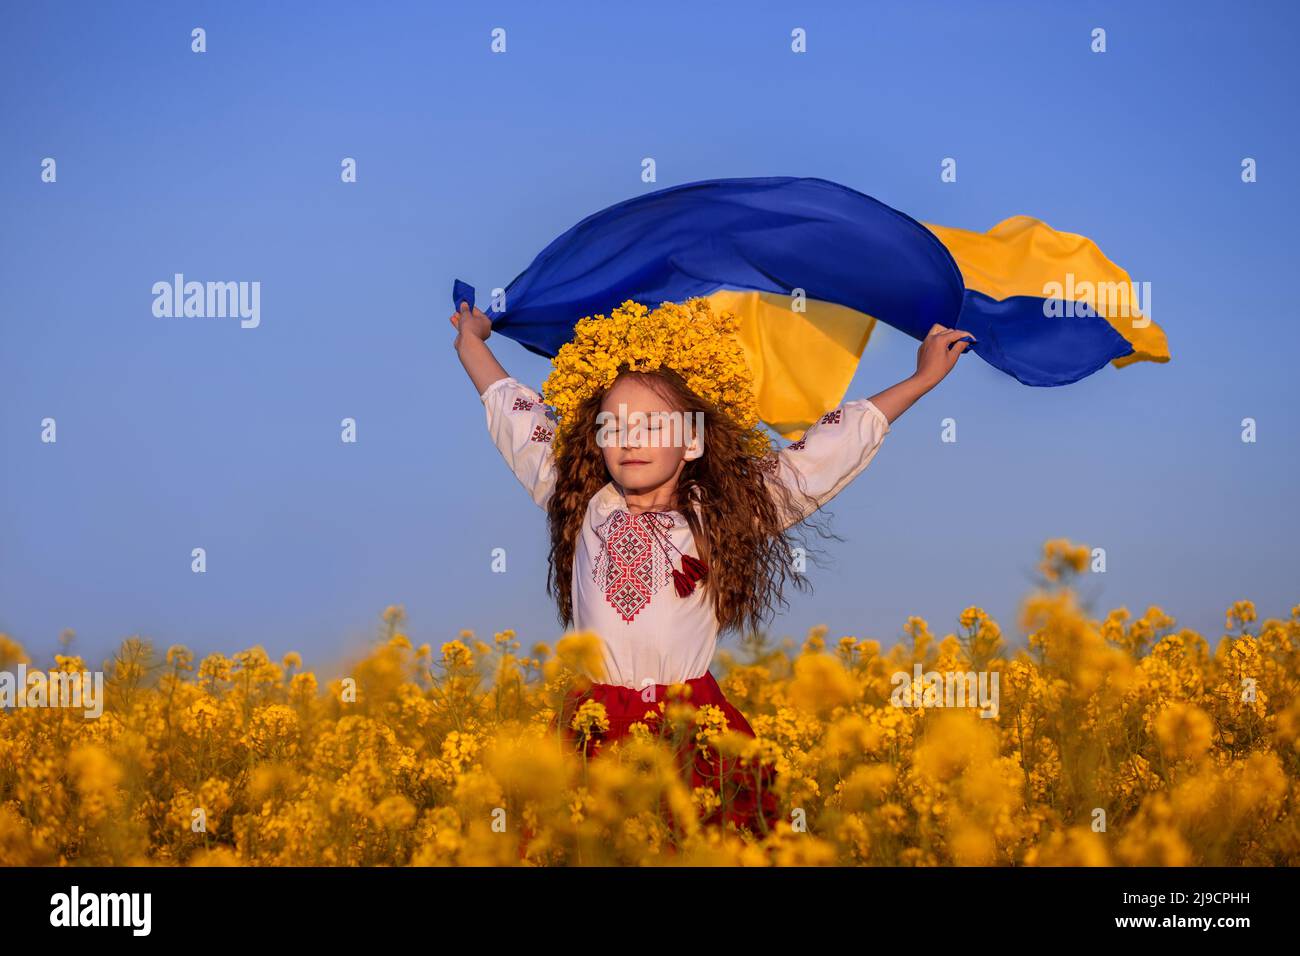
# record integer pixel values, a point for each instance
(622, 570)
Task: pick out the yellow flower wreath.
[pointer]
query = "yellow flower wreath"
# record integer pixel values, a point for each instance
(692, 340)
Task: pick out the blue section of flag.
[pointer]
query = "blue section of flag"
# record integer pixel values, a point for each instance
(770, 234)
(1038, 341)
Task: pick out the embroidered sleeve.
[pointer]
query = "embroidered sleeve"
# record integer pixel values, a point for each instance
(522, 428)
(832, 452)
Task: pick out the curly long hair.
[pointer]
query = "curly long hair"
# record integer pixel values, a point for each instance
(741, 539)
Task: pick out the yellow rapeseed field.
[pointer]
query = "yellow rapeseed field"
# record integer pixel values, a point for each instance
(1116, 741)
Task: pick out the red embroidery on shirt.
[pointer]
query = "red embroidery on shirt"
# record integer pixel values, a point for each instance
(521, 405)
(769, 464)
(830, 418)
(631, 565)
(541, 434)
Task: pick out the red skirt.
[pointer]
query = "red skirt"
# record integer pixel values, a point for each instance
(746, 793)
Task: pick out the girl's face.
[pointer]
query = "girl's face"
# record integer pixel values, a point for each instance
(642, 450)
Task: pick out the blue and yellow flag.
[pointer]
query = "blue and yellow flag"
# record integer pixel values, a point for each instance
(810, 266)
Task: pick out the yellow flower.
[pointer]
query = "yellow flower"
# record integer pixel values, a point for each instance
(1184, 731)
(456, 654)
(11, 652)
(590, 720)
(395, 812)
(821, 683)
(1061, 557)
(1240, 614)
(581, 652)
(180, 657)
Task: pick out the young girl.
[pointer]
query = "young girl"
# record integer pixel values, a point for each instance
(658, 542)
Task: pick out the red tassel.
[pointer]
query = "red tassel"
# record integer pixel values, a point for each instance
(683, 584)
(695, 569)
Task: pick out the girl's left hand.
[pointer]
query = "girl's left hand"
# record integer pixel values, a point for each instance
(467, 321)
(938, 353)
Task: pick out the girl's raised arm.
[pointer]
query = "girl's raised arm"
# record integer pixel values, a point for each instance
(837, 447)
(832, 452)
(520, 425)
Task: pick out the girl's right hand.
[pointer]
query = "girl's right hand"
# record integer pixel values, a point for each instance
(938, 353)
(471, 322)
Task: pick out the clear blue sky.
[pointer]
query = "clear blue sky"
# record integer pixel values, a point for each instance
(187, 432)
